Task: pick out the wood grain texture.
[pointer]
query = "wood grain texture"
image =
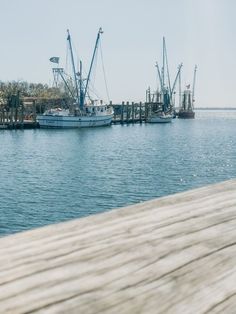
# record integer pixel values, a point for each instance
(176, 254)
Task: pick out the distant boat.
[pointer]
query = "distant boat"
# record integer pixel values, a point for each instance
(160, 104)
(186, 110)
(160, 117)
(85, 112)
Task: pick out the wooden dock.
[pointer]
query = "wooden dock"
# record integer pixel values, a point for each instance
(175, 254)
(26, 124)
(23, 115)
(127, 112)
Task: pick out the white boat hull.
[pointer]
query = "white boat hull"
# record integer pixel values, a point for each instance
(60, 121)
(164, 119)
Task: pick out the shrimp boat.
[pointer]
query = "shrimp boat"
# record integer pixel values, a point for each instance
(160, 117)
(156, 112)
(85, 112)
(186, 110)
(160, 104)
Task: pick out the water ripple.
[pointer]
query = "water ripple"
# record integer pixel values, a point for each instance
(49, 176)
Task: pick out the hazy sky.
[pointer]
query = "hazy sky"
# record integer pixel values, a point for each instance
(201, 32)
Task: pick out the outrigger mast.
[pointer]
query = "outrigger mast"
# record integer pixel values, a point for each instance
(166, 60)
(100, 31)
(81, 88)
(159, 75)
(194, 80)
(73, 68)
(177, 75)
(166, 89)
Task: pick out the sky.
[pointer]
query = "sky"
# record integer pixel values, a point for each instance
(200, 32)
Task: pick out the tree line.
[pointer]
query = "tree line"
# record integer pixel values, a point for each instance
(30, 90)
(44, 94)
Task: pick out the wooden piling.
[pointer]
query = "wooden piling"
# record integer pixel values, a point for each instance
(140, 112)
(127, 112)
(22, 115)
(122, 112)
(133, 111)
(34, 111)
(146, 111)
(11, 113)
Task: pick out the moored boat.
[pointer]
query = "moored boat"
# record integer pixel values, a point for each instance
(96, 115)
(160, 117)
(186, 110)
(186, 114)
(161, 103)
(85, 112)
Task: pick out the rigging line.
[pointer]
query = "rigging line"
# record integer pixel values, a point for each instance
(94, 72)
(94, 92)
(104, 73)
(91, 85)
(157, 82)
(157, 91)
(167, 66)
(67, 52)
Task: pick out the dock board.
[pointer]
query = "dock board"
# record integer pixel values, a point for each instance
(175, 254)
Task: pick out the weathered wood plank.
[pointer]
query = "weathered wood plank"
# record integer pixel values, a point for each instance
(175, 254)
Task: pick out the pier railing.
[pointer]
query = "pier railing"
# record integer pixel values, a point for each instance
(175, 254)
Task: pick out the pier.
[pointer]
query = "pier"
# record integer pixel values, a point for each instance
(174, 254)
(25, 117)
(20, 112)
(127, 112)
(25, 124)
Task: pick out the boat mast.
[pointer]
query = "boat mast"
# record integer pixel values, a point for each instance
(163, 65)
(194, 80)
(159, 75)
(180, 96)
(92, 61)
(177, 75)
(73, 67)
(166, 60)
(81, 90)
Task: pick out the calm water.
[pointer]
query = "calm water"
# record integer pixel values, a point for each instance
(49, 176)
